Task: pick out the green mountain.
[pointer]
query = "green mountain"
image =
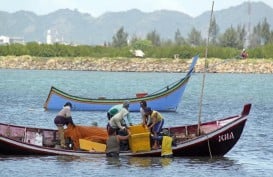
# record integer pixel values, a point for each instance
(75, 27)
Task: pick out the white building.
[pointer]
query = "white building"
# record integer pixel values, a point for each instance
(48, 37)
(11, 40)
(4, 40)
(52, 37)
(138, 53)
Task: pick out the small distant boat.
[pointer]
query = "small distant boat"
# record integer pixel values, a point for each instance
(166, 100)
(216, 138)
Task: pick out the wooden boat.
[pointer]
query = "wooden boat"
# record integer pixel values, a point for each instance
(216, 138)
(167, 99)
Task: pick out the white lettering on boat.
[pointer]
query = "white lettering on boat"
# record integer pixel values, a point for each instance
(226, 137)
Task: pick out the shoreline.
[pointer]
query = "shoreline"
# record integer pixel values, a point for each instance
(258, 66)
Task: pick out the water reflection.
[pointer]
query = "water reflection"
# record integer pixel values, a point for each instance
(113, 161)
(142, 162)
(68, 158)
(103, 166)
(219, 162)
(149, 161)
(216, 162)
(99, 159)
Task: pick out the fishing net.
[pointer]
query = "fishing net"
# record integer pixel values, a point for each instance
(92, 133)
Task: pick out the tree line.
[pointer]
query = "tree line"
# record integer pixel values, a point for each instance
(259, 44)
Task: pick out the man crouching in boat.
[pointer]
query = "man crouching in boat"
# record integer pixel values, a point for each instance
(63, 118)
(117, 108)
(156, 126)
(118, 123)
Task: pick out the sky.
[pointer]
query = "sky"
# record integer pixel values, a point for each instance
(99, 7)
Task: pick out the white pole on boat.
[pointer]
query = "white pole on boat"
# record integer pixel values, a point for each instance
(204, 73)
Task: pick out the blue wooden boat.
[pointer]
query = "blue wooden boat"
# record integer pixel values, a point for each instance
(166, 100)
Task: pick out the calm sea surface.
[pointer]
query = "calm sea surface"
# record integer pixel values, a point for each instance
(23, 93)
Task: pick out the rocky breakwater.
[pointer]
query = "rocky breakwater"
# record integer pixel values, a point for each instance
(136, 64)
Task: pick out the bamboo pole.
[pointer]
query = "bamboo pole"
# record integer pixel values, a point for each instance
(204, 74)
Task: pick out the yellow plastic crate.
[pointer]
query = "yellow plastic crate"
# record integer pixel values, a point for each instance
(136, 129)
(140, 142)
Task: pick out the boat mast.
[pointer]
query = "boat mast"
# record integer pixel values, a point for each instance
(247, 41)
(204, 72)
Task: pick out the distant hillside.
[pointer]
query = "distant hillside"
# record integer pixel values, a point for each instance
(81, 28)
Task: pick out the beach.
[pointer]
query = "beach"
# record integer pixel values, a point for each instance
(257, 66)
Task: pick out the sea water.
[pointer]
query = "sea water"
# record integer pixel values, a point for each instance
(23, 93)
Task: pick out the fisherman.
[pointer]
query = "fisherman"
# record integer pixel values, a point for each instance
(113, 142)
(63, 118)
(117, 122)
(116, 109)
(156, 126)
(244, 54)
(146, 120)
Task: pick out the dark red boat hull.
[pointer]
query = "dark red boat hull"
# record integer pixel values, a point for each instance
(217, 139)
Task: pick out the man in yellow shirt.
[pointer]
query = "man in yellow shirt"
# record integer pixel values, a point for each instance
(157, 124)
